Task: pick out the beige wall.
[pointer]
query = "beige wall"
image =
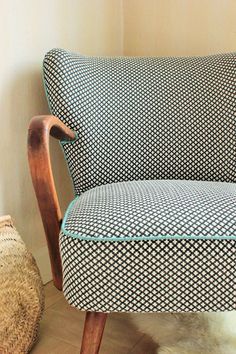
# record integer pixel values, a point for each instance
(28, 28)
(179, 27)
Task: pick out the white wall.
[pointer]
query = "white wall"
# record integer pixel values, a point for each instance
(28, 29)
(179, 27)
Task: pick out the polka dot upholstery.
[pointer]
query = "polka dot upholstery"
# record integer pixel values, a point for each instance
(152, 227)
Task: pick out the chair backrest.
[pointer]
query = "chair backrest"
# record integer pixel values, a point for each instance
(145, 117)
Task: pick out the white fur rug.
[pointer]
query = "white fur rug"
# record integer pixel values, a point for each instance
(190, 333)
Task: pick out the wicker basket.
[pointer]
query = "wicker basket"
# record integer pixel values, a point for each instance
(21, 292)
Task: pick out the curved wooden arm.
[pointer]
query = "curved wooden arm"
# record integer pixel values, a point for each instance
(41, 172)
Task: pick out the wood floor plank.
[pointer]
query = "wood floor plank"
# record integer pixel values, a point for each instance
(52, 295)
(52, 345)
(62, 326)
(119, 336)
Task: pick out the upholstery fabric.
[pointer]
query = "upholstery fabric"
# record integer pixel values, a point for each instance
(154, 209)
(151, 246)
(145, 118)
(152, 227)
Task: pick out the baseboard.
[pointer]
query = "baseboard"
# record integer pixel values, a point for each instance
(42, 259)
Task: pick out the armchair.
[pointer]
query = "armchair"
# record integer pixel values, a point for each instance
(150, 146)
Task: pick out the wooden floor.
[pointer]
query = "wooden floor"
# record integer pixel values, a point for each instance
(61, 330)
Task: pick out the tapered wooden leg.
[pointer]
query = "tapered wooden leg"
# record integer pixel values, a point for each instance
(93, 331)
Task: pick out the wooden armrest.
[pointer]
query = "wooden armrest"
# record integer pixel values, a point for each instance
(40, 128)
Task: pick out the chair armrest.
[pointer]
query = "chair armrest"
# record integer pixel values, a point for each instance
(40, 128)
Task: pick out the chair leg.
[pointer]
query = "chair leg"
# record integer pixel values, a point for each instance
(93, 331)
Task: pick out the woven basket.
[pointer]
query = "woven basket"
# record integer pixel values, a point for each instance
(21, 292)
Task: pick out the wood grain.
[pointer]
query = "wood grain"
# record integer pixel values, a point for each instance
(93, 331)
(40, 129)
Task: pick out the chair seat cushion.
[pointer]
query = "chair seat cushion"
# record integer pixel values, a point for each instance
(156, 245)
(153, 209)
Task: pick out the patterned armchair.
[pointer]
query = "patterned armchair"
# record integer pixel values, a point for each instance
(151, 149)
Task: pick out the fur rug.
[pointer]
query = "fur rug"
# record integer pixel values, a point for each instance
(190, 333)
